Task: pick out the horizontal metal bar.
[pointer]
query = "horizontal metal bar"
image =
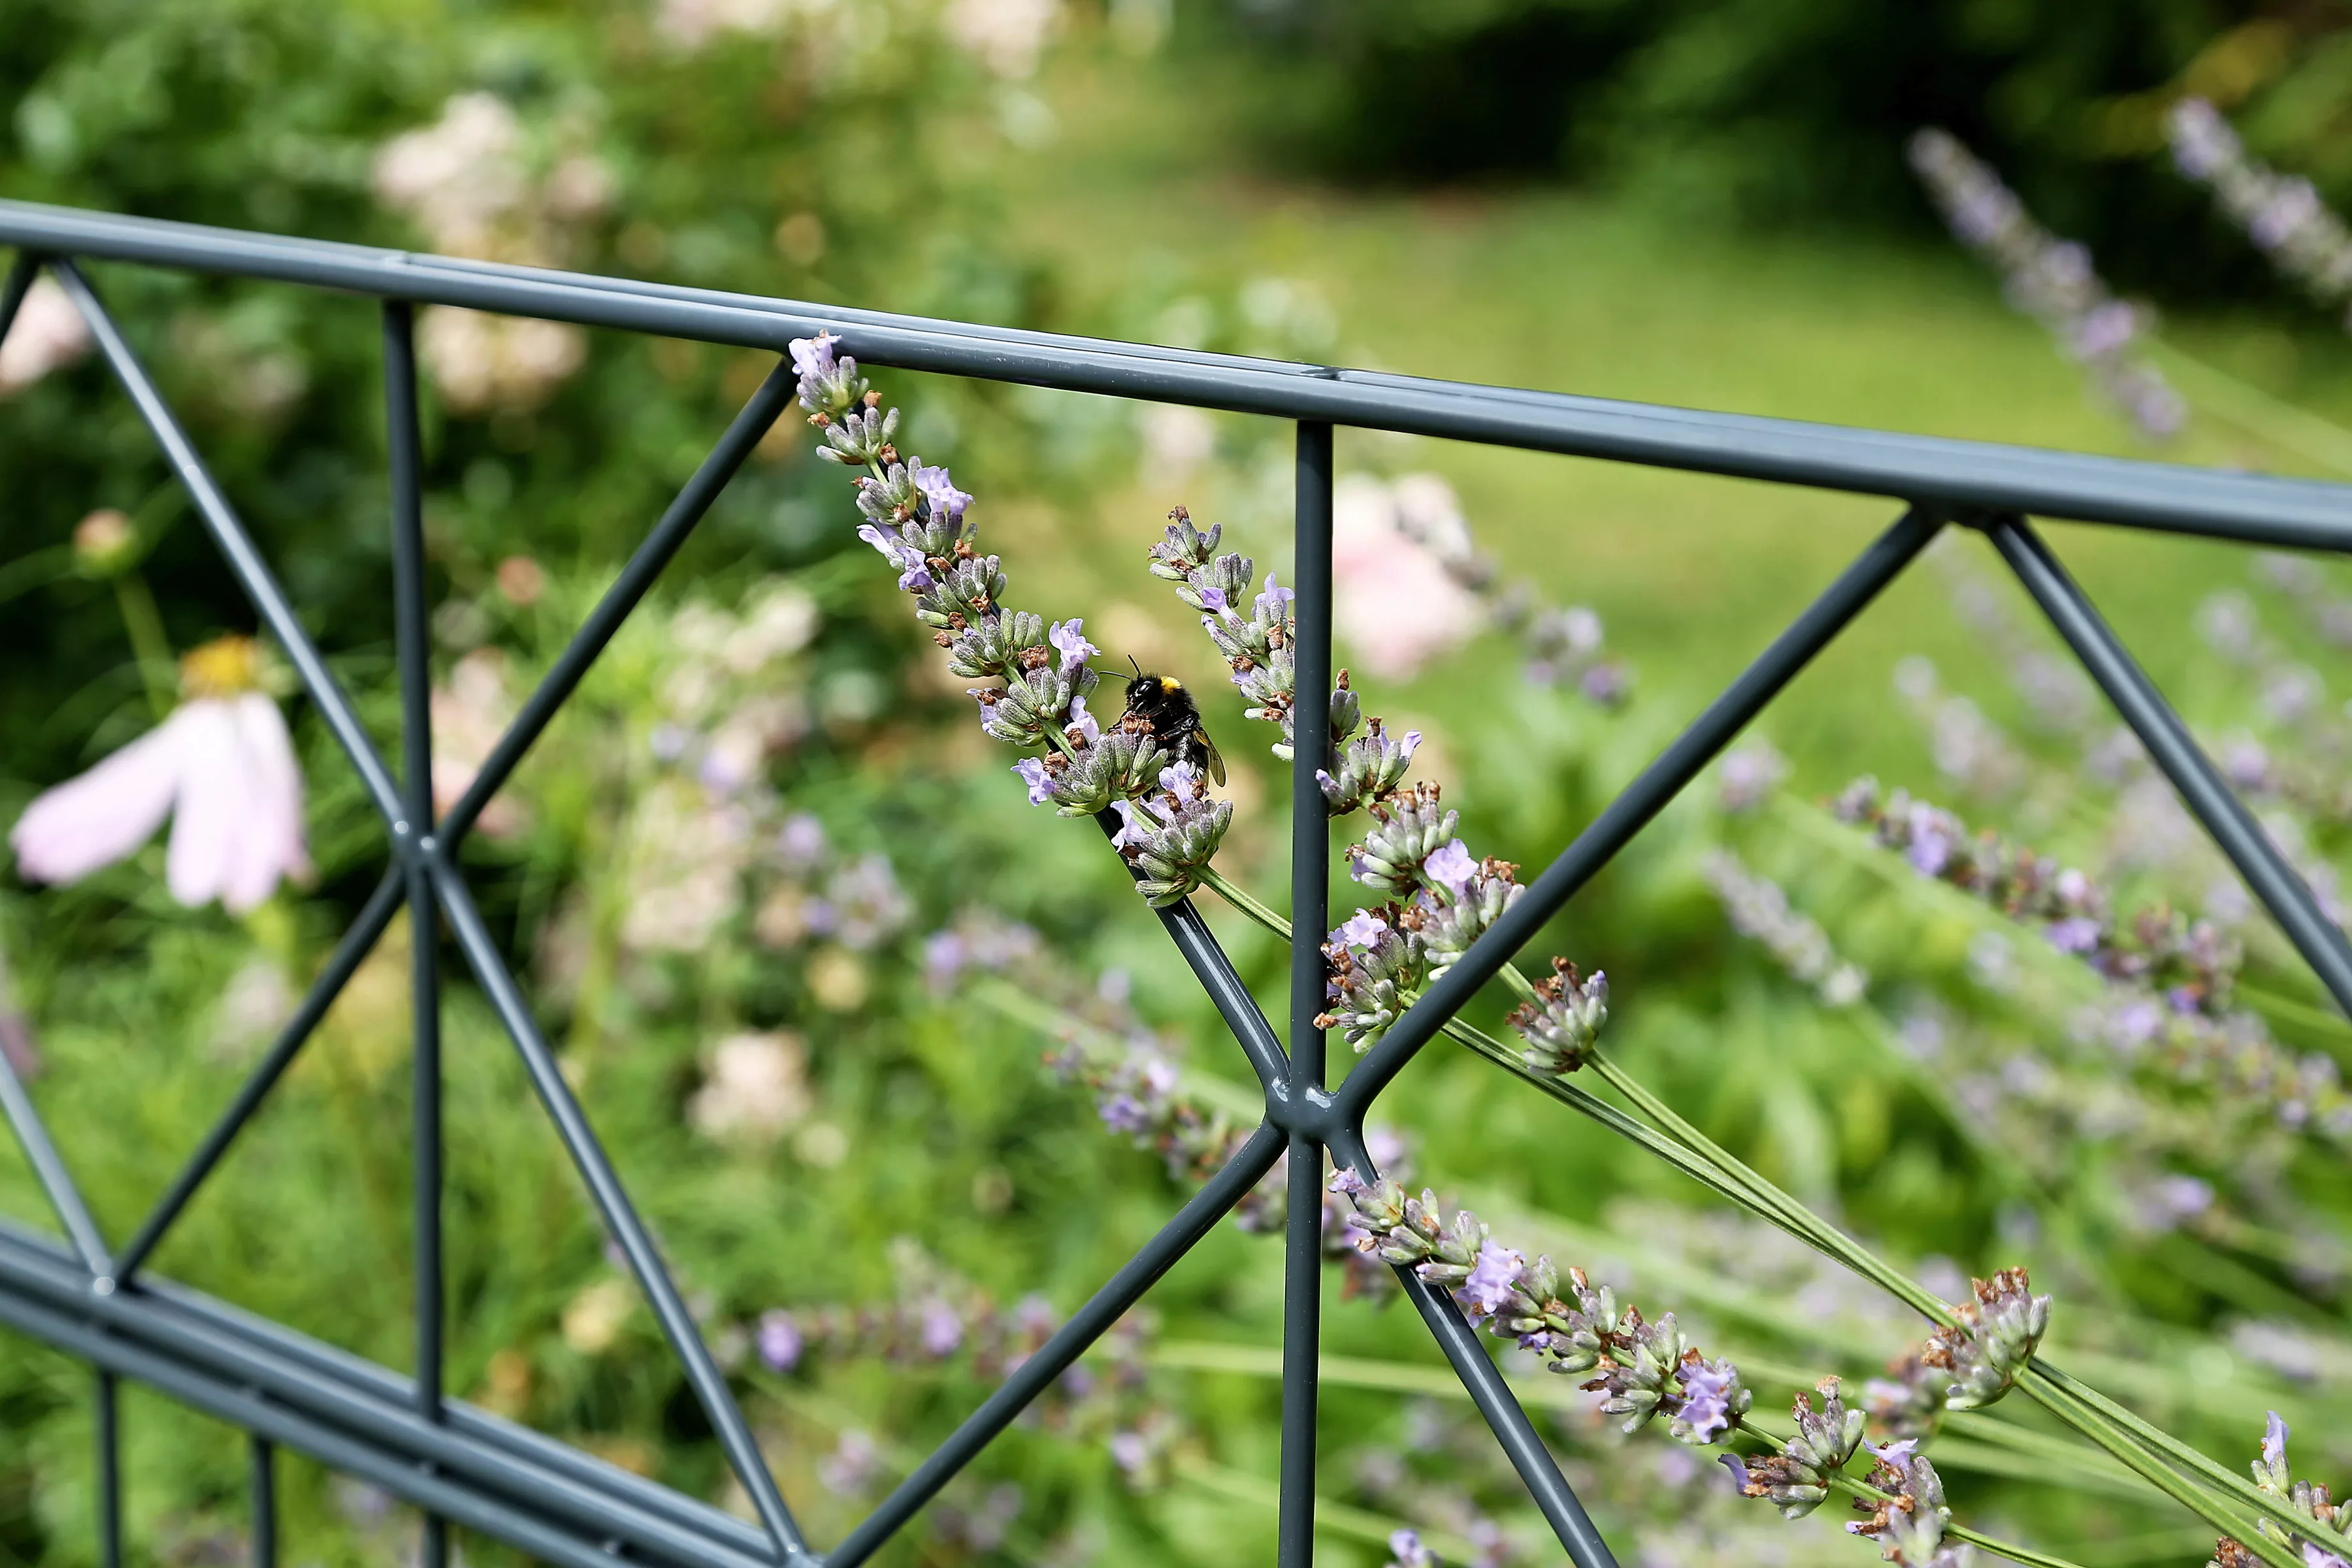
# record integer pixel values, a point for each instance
(210, 1349)
(2171, 497)
(1200, 1215)
(1642, 799)
(348, 954)
(2225, 818)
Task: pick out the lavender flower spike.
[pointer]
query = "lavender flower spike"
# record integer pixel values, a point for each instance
(2050, 280)
(1406, 1551)
(830, 385)
(2282, 215)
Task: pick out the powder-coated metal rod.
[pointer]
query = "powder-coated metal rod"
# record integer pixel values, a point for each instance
(228, 534)
(620, 1215)
(1310, 895)
(1642, 799)
(2297, 514)
(411, 640)
(2232, 827)
(348, 954)
(1215, 1199)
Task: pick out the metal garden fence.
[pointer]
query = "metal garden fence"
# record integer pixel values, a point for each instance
(463, 1466)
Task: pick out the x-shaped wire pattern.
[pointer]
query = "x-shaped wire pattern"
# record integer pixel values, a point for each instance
(459, 1464)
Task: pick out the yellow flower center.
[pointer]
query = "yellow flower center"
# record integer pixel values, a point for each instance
(225, 666)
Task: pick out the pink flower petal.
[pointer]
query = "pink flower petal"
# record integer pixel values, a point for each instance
(239, 823)
(103, 815)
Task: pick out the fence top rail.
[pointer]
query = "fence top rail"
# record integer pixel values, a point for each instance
(2262, 509)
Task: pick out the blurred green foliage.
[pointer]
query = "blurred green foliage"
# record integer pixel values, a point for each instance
(1782, 110)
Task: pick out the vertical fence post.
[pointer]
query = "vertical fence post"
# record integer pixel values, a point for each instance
(1310, 870)
(424, 915)
(110, 1475)
(265, 1503)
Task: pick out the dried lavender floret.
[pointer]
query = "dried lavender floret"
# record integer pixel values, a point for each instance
(1998, 1332)
(1406, 829)
(1471, 899)
(1560, 1025)
(1909, 1528)
(1174, 836)
(1370, 767)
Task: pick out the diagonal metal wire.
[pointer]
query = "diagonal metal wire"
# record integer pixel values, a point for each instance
(350, 954)
(1224, 984)
(774, 396)
(2226, 820)
(49, 1169)
(621, 1221)
(1311, 898)
(1642, 799)
(1493, 1398)
(228, 534)
(1215, 1199)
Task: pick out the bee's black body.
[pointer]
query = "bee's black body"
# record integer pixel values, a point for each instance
(1163, 702)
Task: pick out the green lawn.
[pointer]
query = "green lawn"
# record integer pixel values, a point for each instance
(1141, 197)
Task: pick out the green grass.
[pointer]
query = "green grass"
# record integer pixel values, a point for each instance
(1142, 198)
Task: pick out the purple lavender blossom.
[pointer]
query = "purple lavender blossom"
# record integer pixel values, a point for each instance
(1032, 772)
(1451, 864)
(1069, 638)
(1406, 1551)
(2049, 278)
(1493, 1276)
(943, 1329)
(1709, 1390)
(1360, 930)
(778, 1340)
(814, 356)
(945, 500)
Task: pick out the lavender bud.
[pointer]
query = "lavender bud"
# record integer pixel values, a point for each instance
(988, 647)
(829, 385)
(970, 591)
(1406, 829)
(1449, 924)
(1370, 767)
(2004, 1326)
(1373, 980)
(1560, 1025)
(1178, 555)
(1120, 764)
(1177, 849)
(1642, 1364)
(859, 437)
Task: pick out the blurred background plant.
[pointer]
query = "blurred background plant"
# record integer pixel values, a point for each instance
(898, 1072)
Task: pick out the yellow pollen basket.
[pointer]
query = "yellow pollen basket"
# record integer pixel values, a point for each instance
(225, 666)
(1169, 683)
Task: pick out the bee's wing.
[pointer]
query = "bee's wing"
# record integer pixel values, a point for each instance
(1209, 750)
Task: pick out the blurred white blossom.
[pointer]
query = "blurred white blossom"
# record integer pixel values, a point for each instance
(757, 1088)
(469, 714)
(1006, 35)
(47, 334)
(482, 361)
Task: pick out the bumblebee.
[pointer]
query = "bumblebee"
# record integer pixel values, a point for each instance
(1163, 702)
